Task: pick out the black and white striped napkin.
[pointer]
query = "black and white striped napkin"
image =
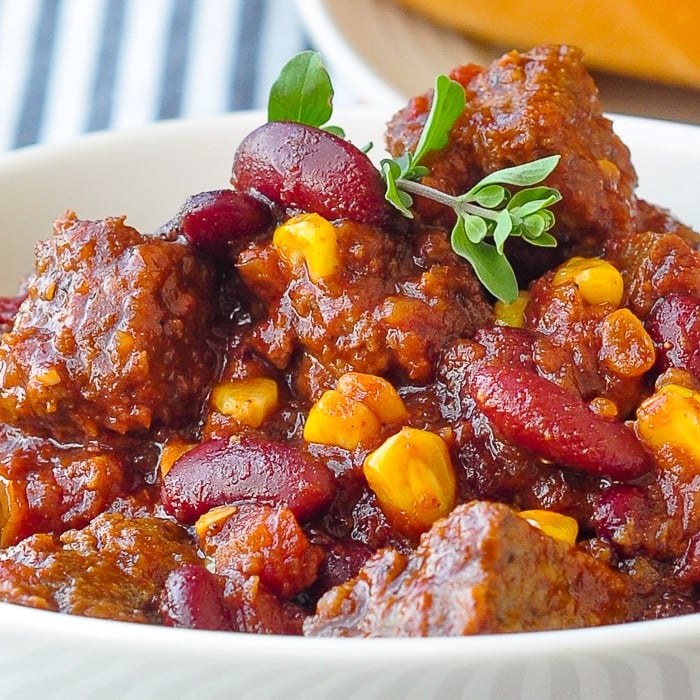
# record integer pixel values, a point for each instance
(68, 67)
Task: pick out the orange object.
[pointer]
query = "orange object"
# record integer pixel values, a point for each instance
(640, 38)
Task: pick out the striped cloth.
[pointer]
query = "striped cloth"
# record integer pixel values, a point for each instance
(73, 66)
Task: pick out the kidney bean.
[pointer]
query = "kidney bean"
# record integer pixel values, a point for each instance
(674, 326)
(617, 507)
(212, 221)
(508, 345)
(343, 560)
(541, 417)
(191, 598)
(9, 307)
(221, 471)
(301, 167)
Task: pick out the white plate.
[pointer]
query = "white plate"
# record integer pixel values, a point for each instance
(147, 174)
(385, 51)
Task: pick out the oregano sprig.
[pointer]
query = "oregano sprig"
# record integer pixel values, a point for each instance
(489, 210)
(486, 216)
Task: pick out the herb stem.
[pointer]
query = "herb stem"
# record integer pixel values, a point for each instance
(456, 203)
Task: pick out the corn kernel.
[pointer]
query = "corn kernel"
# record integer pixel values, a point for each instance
(560, 527)
(310, 239)
(412, 475)
(171, 452)
(336, 419)
(376, 393)
(49, 291)
(512, 315)
(597, 281)
(668, 423)
(124, 342)
(49, 377)
(626, 349)
(250, 401)
(609, 172)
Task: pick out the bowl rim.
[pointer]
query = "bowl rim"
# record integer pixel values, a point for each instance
(644, 636)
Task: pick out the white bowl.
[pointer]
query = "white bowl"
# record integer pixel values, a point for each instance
(146, 175)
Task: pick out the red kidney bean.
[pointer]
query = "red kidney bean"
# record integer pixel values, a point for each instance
(541, 417)
(302, 167)
(616, 507)
(211, 221)
(508, 345)
(674, 326)
(8, 308)
(191, 598)
(221, 471)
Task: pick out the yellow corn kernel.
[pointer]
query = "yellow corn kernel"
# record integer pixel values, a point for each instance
(597, 281)
(378, 394)
(208, 524)
(310, 239)
(49, 291)
(336, 419)
(626, 348)
(171, 452)
(48, 377)
(250, 401)
(609, 172)
(412, 475)
(560, 527)
(668, 423)
(512, 315)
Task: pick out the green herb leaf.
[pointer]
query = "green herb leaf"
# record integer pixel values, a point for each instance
(491, 268)
(504, 226)
(403, 201)
(523, 175)
(303, 92)
(544, 240)
(448, 104)
(340, 133)
(547, 195)
(532, 227)
(491, 196)
(475, 228)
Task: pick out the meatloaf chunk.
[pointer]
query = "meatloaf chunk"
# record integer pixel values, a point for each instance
(523, 107)
(482, 569)
(115, 568)
(112, 335)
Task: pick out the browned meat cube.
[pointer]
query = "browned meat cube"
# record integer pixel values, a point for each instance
(112, 335)
(114, 568)
(482, 569)
(52, 489)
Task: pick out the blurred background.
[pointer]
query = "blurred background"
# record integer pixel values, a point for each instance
(68, 67)
(72, 66)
